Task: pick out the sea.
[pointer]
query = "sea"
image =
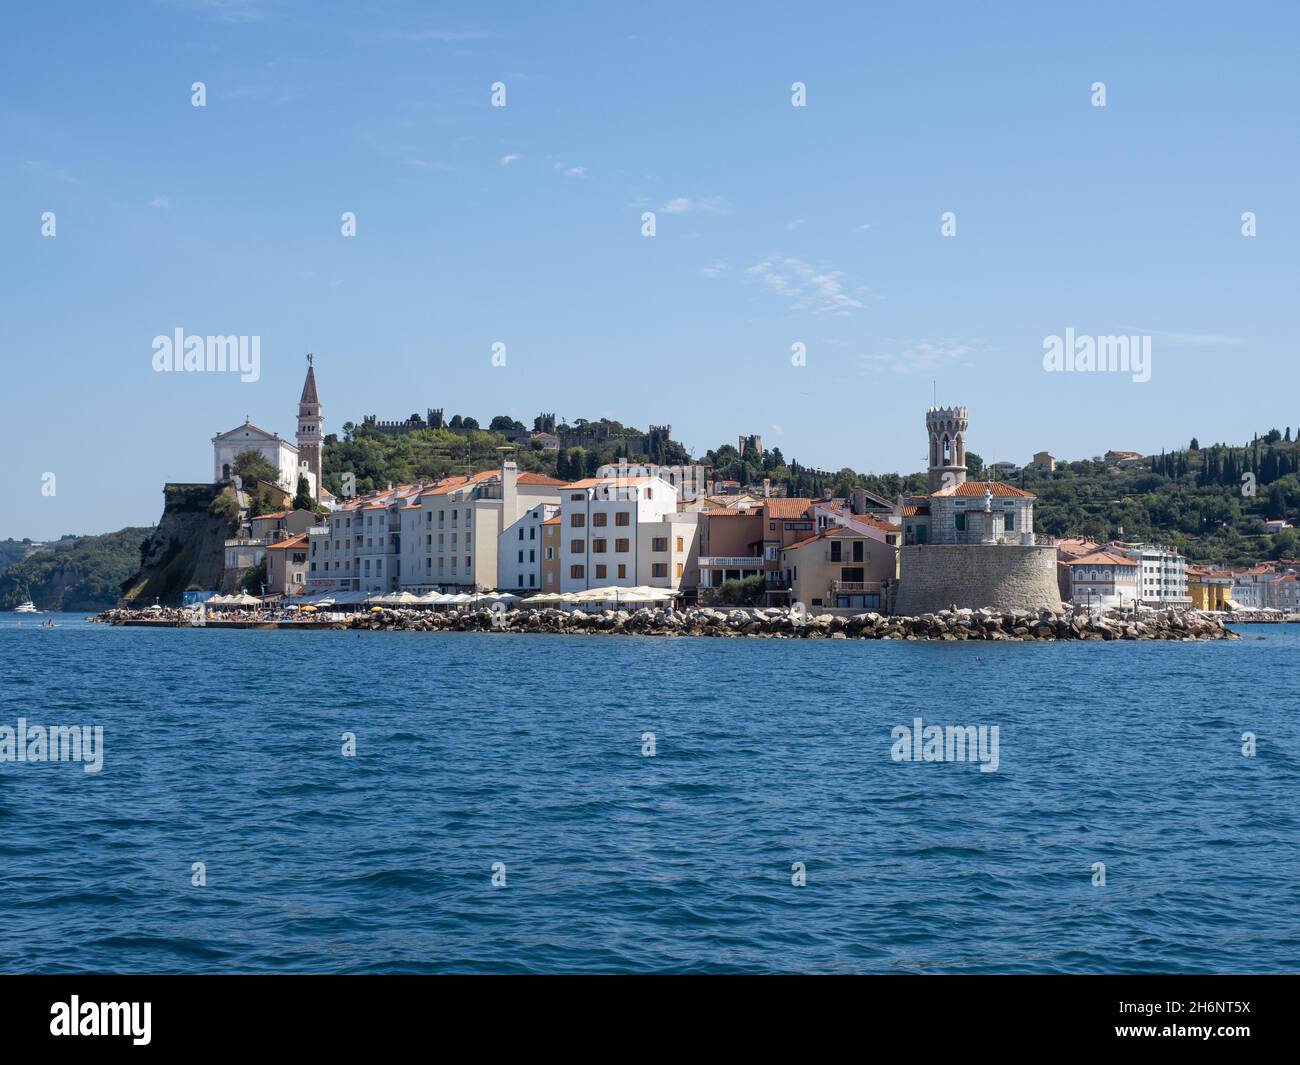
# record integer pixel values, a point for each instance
(343, 802)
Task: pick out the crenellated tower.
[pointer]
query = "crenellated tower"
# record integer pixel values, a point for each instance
(947, 428)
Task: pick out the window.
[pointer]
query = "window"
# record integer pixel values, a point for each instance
(576, 497)
(836, 551)
(600, 572)
(960, 519)
(600, 519)
(1009, 521)
(598, 547)
(623, 517)
(550, 553)
(659, 543)
(521, 558)
(679, 569)
(659, 569)
(679, 544)
(576, 572)
(577, 521)
(858, 551)
(575, 547)
(521, 532)
(621, 547)
(649, 493)
(622, 571)
(532, 532)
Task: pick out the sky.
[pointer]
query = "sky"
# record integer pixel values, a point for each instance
(820, 225)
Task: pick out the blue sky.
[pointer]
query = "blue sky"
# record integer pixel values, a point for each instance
(522, 224)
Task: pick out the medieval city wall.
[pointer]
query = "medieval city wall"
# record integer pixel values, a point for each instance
(1003, 576)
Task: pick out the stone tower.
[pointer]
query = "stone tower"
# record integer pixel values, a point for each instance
(309, 427)
(947, 428)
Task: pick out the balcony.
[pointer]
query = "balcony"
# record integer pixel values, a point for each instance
(731, 561)
(857, 587)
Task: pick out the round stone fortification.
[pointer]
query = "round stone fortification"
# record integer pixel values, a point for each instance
(999, 576)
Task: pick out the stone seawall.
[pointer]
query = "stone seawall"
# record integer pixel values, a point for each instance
(771, 624)
(934, 577)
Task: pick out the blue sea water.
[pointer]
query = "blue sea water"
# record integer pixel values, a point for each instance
(224, 748)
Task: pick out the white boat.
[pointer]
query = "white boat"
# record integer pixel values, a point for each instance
(26, 608)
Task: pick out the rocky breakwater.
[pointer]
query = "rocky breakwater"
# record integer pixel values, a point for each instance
(963, 624)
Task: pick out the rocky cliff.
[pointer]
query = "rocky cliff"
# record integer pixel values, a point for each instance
(187, 549)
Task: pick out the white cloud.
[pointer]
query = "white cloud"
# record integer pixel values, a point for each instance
(506, 160)
(864, 227)
(445, 36)
(684, 204)
(161, 202)
(715, 269)
(792, 226)
(1192, 340)
(576, 171)
(910, 356)
(425, 164)
(808, 287)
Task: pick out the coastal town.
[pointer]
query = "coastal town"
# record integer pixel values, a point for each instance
(646, 535)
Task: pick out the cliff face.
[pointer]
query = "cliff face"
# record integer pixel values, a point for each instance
(187, 550)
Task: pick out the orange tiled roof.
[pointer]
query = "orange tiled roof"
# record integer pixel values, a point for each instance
(267, 517)
(554, 520)
(998, 489)
(540, 478)
(838, 531)
(1100, 558)
(613, 482)
(789, 508)
(294, 541)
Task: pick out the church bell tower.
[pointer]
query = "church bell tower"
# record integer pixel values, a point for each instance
(309, 426)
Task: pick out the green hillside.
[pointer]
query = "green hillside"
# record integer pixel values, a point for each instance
(76, 573)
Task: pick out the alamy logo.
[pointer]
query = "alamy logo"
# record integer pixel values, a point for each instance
(951, 743)
(1088, 354)
(179, 353)
(58, 743)
(102, 1018)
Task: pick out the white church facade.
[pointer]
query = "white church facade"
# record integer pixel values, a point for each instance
(292, 460)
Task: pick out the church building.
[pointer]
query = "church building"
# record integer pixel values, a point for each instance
(292, 460)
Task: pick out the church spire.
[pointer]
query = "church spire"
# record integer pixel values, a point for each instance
(310, 423)
(309, 386)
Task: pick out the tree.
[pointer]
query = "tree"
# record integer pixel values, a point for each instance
(251, 465)
(303, 500)
(470, 424)
(456, 422)
(974, 466)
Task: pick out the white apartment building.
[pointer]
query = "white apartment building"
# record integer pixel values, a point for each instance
(626, 532)
(1162, 580)
(451, 535)
(358, 548)
(519, 551)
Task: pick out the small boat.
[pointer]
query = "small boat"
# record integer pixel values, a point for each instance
(27, 607)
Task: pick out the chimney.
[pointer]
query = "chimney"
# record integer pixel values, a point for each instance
(859, 504)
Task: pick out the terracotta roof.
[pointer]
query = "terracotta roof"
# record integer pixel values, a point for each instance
(540, 478)
(1100, 558)
(294, 541)
(789, 508)
(613, 482)
(910, 511)
(838, 531)
(555, 520)
(970, 489)
(267, 517)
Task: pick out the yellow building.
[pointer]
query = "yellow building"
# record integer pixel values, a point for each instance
(1209, 589)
